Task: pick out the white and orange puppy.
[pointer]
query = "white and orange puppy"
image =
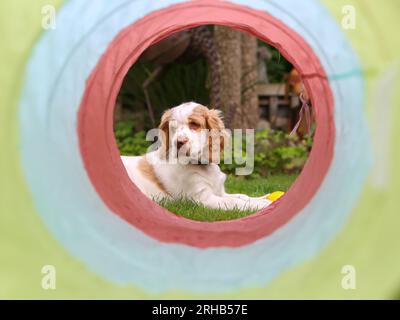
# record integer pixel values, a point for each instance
(194, 173)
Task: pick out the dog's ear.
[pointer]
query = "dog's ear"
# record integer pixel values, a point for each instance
(164, 127)
(214, 120)
(217, 128)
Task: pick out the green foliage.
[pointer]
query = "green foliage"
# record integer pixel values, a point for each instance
(129, 142)
(277, 67)
(178, 83)
(274, 152)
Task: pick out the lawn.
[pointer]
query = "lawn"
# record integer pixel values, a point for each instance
(252, 187)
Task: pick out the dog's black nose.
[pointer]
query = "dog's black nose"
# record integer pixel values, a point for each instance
(179, 144)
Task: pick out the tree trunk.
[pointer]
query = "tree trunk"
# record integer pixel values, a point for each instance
(249, 105)
(238, 56)
(228, 42)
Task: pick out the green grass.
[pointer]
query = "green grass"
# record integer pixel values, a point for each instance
(253, 187)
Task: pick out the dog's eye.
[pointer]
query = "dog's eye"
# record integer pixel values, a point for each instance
(194, 125)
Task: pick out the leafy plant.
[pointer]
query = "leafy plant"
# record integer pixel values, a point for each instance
(274, 152)
(130, 142)
(178, 83)
(277, 66)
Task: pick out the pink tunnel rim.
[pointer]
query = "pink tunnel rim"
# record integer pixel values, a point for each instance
(101, 156)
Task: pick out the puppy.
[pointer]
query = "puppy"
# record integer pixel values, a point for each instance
(185, 164)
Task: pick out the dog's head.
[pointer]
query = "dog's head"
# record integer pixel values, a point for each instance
(194, 132)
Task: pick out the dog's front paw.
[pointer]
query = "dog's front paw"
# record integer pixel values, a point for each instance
(262, 203)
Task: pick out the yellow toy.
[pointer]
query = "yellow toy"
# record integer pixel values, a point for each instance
(275, 195)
